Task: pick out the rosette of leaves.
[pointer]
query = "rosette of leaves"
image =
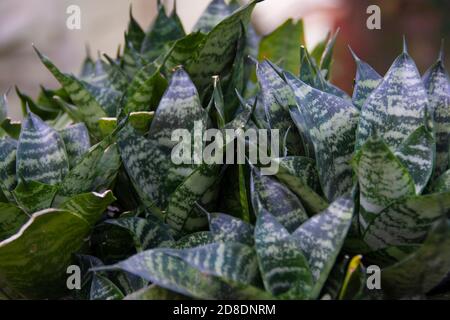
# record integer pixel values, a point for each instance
(49, 204)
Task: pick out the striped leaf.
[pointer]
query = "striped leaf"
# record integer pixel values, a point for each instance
(285, 270)
(442, 184)
(417, 153)
(34, 196)
(81, 178)
(147, 233)
(366, 80)
(382, 179)
(164, 30)
(179, 108)
(218, 48)
(231, 261)
(177, 275)
(299, 178)
(396, 107)
(41, 154)
(3, 108)
(89, 206)
(322, 237)
(437, 84)
(34, 261)
(11, 219)
(407, 221)
(226, 228)
(194, 240)
(134, 32)
(104, 289)
(8, 180)
(89, 108)
(282, 45)
(214, 13)
(423, 270)
(270, 195)
(276, 99)
(183, 199)
(332, 123)
(326, 60)
(77, 142)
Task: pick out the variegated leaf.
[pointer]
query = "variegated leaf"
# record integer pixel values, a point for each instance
(366, 80)
(276, 99)
(154, 292)
(77, 142)
(326, 60)
(442, 184)
(107, 169)
(11, 219)
(396, 107)
(407, 221)
(216, 11)
(179, 108)
(3, 108)
(231, 261)
(33, 196)
(177, 275)
(322, 237)
(285, 270)
(164, 30)
(423, 270)
(332, 123)
(147, 233)
(90, 206)
(226, 228)
(34, 261)
(270, 195)
(41, 155)
(194, 240)
(104, 289)
(88, 107)
(382, 179)
(417, 153)
(437, 84)
(8, 180)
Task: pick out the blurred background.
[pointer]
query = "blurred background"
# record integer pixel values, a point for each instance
(43, 22)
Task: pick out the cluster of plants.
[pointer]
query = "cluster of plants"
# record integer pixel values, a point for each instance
(87, 178)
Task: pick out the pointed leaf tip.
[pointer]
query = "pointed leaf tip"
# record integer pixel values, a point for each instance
(357, 59)
(441, 57)
(405, 45)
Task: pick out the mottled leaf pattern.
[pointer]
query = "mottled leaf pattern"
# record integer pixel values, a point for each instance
(11, 219)
(270, 195)
(382, 179)
(33, 196)
(396, 107)
(226, 228)
(41, 154)
(332, 123)
(77, 142)
(216, 11)
(8, 181)
(104, 289)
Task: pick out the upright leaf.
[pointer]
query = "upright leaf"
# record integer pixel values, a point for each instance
(77, 142)
(216, 11)
(225, 228)
(8, 180)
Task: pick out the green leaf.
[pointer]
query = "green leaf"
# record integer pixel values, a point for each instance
(276, 98)
(407, 221)
(297, 176)
(3, 108)
(194, 240)
(34, 261)
(285, 270)
(135, 34)
(154, 293)
(366, 80)
(382, 179)
(77, 142)
(8, 180)
(41, 155)
(41, 111)
(322, 237)
(164, 30)
(437, 84)
(282, 45)
(216, 11)
(332, 123)
(326, 60)
(12, 128)
(89, 108)
(442, 184)
(89, 206)
(270, 195)
(33, 196)
(417, 153)
(396, 108)
(423, 270)
(11, 219)
(179, 108)
(104, 289)
(147, 233)
(225, 228)
(106, 126)
(231, 261)
(182, 201)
